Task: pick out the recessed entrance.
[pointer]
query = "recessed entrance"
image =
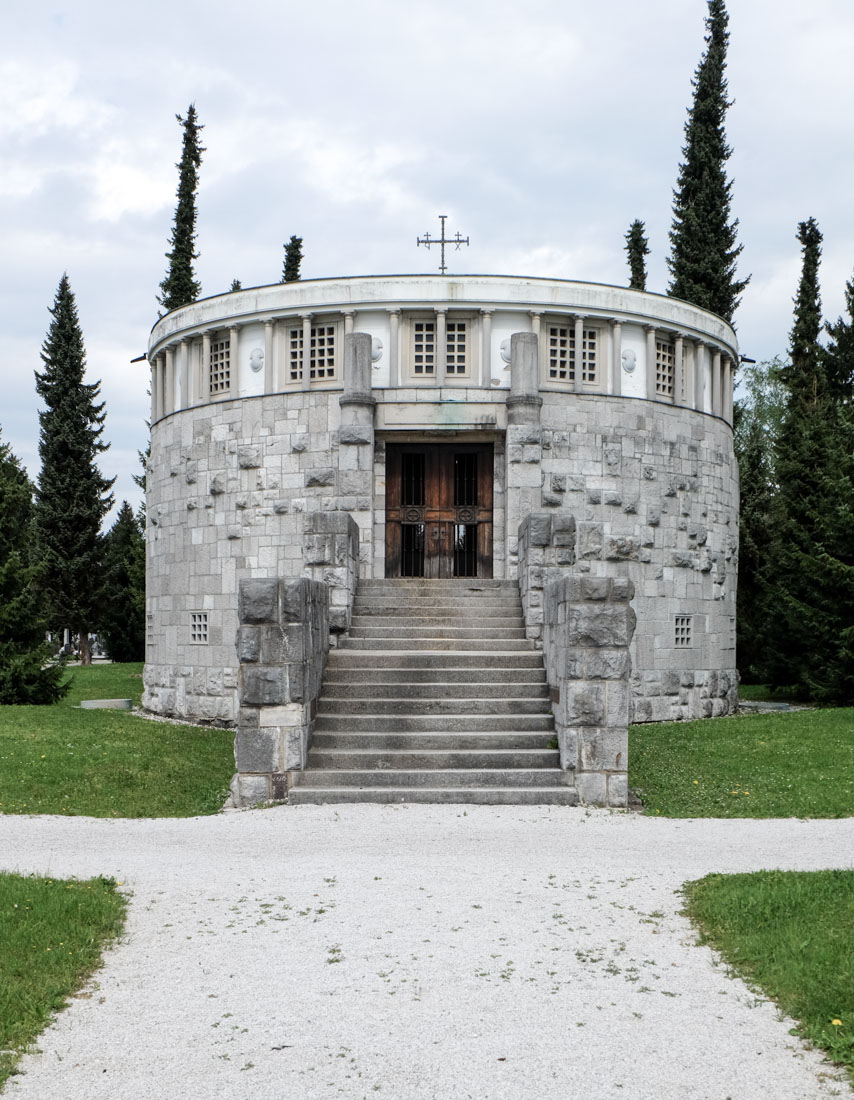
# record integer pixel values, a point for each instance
(438, 510)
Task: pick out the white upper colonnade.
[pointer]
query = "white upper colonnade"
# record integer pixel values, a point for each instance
(440, 333)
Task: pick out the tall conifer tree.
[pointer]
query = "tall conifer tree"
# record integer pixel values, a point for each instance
(637, 249)
(122, 621)
(72, 497)
(27, 674)
(180, 285)
(704, 253)
(293, 259)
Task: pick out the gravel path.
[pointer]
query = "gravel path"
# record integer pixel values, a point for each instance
(475, 953)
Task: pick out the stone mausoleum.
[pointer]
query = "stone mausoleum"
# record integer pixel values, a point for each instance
(471, 428)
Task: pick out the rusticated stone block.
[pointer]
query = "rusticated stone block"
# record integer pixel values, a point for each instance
(257, 750)
(595, 625)
(257, 601)
(355, 434)
(622, 548)
(321, 477)
(590, 540)
(585, 704)
(263, 686)
(249, 457)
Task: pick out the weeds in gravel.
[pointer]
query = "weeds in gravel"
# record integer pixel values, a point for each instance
(52, 934)
(108, 763)
(796, 764)
(788, 933)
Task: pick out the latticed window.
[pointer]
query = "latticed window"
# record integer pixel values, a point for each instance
(198, 628)
(682, 638)
(149, 629)
(321, 364)
(562, 356)
(220, 366)
(455, 343)
(423, 347)
(665, 367)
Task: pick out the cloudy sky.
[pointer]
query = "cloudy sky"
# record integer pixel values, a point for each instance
(541, 128)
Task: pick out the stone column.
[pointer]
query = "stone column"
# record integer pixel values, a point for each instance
(616, 362)
(169, 396)
(356, 440)
(726, 402)
(679, 370)
(689, 353)
(650, 362)
(269, 344)
(536, 320)
(155, 386)
(716, 382)
(441, 347)
(305, 365)
(233, 359)
(348, 321)
(184, 398)
(394, 348)
(205, 371)
(700, 376)
(486, 348)
(578, 336)
(524, 450)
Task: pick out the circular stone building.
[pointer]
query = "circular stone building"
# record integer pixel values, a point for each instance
(473, 405)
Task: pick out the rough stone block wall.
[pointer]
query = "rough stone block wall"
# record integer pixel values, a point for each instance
(282, 643)
(589, 625)
(546, 551)
(331, 555)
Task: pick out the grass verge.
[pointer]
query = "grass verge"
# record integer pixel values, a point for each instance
(52, 934)
(788, 933)
(764, 693)
(108, 763)
(797, 764)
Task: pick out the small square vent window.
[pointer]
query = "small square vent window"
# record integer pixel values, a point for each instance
(149, 629)
(683, 632)
(198, 628)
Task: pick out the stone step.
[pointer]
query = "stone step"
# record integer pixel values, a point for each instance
(374, 760)
(452, 584)
(428, 663)
(358, 687)
(457, 796)
(465, 645)
(402, 629)
(412, 621)
(485, 608)
(404, 742)
(379, 704)
(433, 723)
(425, 777)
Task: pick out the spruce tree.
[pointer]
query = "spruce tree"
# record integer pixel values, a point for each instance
(122, 621)
(235, 285)
(637, 249)
(812, 645)
(293, 259)
(180, 285)
(72, 497)
(703, 249)
(839, 353)
(28, 674)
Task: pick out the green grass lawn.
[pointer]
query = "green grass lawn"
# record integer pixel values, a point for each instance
(788, 933)
(103, 763)
(52, 934)
(798, 764)
(763, 693)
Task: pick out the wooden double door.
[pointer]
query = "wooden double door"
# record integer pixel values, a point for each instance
(439, 510)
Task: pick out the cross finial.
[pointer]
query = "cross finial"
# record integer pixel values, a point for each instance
(456, 240)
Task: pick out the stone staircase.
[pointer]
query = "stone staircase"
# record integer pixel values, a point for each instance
(435, 696)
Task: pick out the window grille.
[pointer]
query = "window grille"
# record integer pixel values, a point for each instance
(149, 629)
(683, 629)
(665, 363)
(562, 357)
(220, 366)
(455, 341)
(321, 353)
(424, 347)
(198, 628)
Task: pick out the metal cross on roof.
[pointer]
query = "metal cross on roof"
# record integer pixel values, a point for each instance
(456, 240)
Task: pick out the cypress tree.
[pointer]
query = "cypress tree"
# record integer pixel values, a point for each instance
(72, 497)
(703, 249)
(28, 675)
(122, 622)
(293, 259)
(235, 285)
(180, 285)
(637, 248)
